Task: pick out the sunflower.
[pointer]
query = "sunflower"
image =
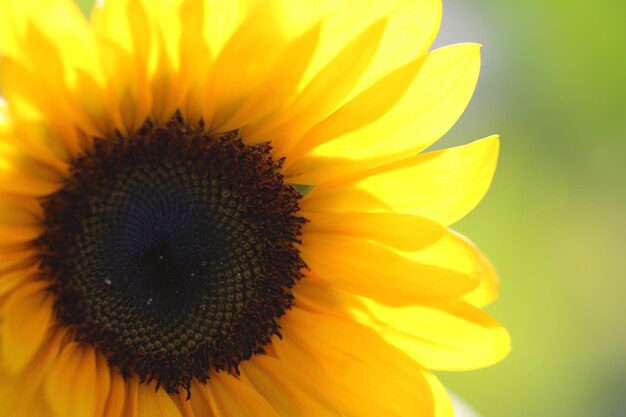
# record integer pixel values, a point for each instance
(223, 208)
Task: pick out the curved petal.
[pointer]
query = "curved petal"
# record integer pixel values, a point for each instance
(230, 397)
(26, 316)
(429, 106)
(449, 336)
(195, 57)
(27, 174)
(151, 403)
(366, 108)
(401, 231)
(70, 386)
(21, 211)
(276, 84)
(126, 45)
(19, 234)
(131, 387)
(322, 94)
(61, 20)
(11, 278)
(450, 252)
(33, 104)
(55, 35)
(440, 185)
(103, 384)
(199, 401)
(342, 200)
(433, 103)
(117, 396)
(412, 27)
(289, 392)
(222, 18)
(22, 395)
(443, 402)
(487, 290)
(352, 366)
(371, 270)
(186, 408)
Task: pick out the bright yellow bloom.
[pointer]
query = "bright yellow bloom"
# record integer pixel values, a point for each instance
(223, 208)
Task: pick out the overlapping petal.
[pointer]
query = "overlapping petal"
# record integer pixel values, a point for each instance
(289, 392)
(372, 270)
(443, 336)
(70, 387)
(400, 115)
(448, 335)
(355, 377)
(25, 316)
(440, 185)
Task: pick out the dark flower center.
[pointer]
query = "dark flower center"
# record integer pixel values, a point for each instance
(173, 251)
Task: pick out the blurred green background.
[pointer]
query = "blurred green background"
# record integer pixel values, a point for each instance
(553, 85)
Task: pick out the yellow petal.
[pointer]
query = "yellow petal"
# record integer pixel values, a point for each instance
(55, 35)
(199, 401)
(13, 260)
(71, 389)
(103, 383)
(20, 219)
(25, 405)
(230, 397)
(364, 109)
(125, 44)
(195, 58)
(26, 317)
(357, 371)
(166, 89)
(132, 397)
(11, 278)
(185, 407)
(449, 252)
(323, 94)
(14, 181)
(431, 105)
(19, 392)
(24, 175)
(412, 27)
(168, 69)
(372, 270)
(487, 290)
(278, 84)
(443, 402)
(232, 79)
(155, 404)
(19, 234)
(21, 211)
(450, 336)
(128, 110)
(59, 383)
(62, 22)
(401, 231)
(222, 18)
(440, 185)
(117, 395)
(31, 101)
(341, 200)
(85, 389)
(289, 392)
